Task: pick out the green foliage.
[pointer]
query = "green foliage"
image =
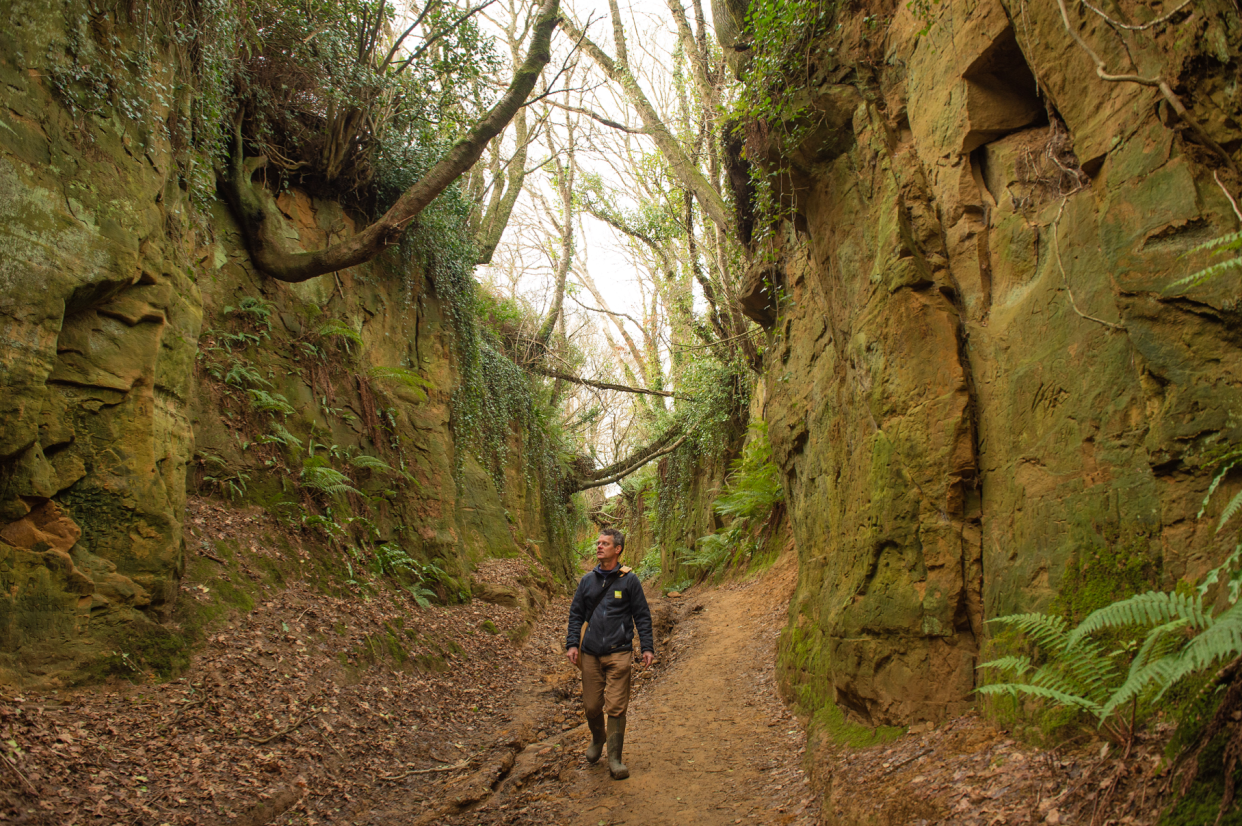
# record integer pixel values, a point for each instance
(336, 328)
(922, 11)
(241, 374)
(405, 377)
(254, 308)
(754, 486)
(750, 499)
(649, 567)
(269, 402)
(371, 463)
(784, 49)
(1224, 245)
(1225, 461)
(331, 92)
(319, 476)
(1173, 636)
(391, 560)
(281, 436)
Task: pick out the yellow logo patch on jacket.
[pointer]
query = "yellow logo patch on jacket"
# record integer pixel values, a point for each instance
(616, 594)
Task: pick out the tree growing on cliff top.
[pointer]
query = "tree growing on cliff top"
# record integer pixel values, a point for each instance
(343, 122)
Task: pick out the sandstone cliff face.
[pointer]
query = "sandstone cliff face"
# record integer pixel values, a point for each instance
(108, 279)
(978, 380)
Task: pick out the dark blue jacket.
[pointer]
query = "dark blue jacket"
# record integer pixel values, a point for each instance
(611, 626)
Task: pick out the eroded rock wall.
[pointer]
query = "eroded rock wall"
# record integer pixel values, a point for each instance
(980, 378)
(110, 280)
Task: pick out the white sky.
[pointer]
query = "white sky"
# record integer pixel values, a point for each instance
(651, 37)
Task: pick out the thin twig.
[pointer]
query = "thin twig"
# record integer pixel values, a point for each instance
(13, 768)
(1156, 82)
(259, 742)
(403, 775)
(1056, 248)
(1158, 21)
(1232, 202)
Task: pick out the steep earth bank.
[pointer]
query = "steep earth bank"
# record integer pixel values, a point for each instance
(981, 388)
(143, 354)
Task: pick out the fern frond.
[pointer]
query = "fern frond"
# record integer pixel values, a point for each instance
(1151, 608)
(328, 481)
(1206, 274)
(401, 375)
(1159, 643)
(367, 462)
(1235, 504)
(1050, 677)
(336, 327)
(1063, 697)
(280, 435)
(1152, 667)
(1227, 463)
(266, 402)
(1090, 669)
(1222, 640)
(1153, 674)
(1048, 632)
(1018, 665)
(1228, 241)
(1222, 569)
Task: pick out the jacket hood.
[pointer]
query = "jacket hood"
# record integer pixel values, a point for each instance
(599, 570)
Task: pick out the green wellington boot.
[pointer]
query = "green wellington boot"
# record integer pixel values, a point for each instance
(616, 744)
(596, 725)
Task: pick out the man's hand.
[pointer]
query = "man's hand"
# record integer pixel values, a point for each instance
(648, 659)
(571, 654)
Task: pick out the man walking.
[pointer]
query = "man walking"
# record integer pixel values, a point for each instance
(610, 600)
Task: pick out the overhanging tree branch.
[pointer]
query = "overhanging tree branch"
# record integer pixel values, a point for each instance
(263, 225)
(601, 385)
(619, 470)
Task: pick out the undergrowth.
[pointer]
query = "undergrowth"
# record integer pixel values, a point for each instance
(752, 502)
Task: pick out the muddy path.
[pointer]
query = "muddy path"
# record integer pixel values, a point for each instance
(709, 740)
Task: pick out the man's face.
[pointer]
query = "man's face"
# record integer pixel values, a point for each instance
(606, 551)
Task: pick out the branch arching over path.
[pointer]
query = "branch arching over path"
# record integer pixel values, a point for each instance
(262, 223)
(601, 385)
(624, 467)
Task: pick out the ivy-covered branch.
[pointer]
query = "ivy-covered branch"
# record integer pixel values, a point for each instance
(630, 464)
(601, 385)
(264, 227)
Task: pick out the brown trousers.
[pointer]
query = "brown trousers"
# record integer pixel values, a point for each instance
(606, 683)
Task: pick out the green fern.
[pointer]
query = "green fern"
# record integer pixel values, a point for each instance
(340, 329)
(754, 484)
(367, 462)
(1183, 637)
(752, 493)
(240, 374)
(317, 475)
(257, 308)
(1061, 697)
(405, 377)
(281, 436)
(1231, 242)
(267, 402)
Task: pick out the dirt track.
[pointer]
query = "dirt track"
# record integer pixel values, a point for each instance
(709, 741)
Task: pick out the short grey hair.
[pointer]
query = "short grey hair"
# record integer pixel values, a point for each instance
(617, 537)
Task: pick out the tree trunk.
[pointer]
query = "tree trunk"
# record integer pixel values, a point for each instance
(262, 224)
(683, 167)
